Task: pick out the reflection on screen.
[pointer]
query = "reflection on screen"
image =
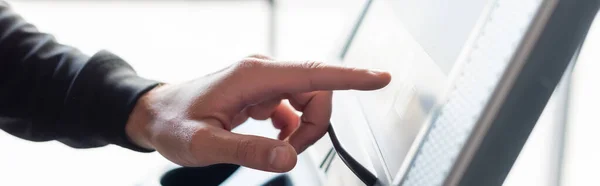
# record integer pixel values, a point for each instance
(440, 26)
(419, 51)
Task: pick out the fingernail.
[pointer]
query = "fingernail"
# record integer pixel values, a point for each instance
(376, 71)
(278, 158)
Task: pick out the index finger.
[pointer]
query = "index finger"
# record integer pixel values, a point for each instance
(261, 78)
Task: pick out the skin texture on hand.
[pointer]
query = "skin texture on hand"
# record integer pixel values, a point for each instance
(190, 123)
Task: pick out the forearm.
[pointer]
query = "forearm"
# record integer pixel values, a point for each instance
(52, 91)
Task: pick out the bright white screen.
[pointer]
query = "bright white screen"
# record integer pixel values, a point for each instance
(418, 41)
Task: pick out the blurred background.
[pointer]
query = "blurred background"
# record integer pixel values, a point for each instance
(174, 41)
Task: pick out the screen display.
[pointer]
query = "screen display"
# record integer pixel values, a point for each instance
(418, 42)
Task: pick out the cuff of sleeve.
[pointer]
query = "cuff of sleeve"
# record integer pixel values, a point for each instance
(102, 97)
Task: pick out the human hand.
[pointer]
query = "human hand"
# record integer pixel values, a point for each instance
(190, 123)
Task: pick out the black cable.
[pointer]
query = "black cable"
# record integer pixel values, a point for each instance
(360, 171)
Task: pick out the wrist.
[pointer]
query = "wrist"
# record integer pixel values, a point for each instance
(138, 124)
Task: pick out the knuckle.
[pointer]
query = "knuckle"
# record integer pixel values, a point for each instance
(311, 67)
(322, 129)
(313, 64)
(246, 150)
(260, 113)
(258, 56)
(261, 116)
(197, 146)
(248, 64)
(202, 132)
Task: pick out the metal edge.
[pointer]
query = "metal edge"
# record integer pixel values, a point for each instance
(559, 133)
(499, 95)
(502, 128)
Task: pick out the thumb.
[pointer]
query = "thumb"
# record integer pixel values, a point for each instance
(253, 151)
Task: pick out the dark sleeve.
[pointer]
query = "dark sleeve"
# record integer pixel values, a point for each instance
(49, 91)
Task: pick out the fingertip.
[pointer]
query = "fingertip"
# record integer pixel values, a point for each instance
(284, 117)
(380, 79)
(286, 131)
(385, 77)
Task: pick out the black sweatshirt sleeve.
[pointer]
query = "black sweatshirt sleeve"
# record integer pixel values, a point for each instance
(49, 91)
